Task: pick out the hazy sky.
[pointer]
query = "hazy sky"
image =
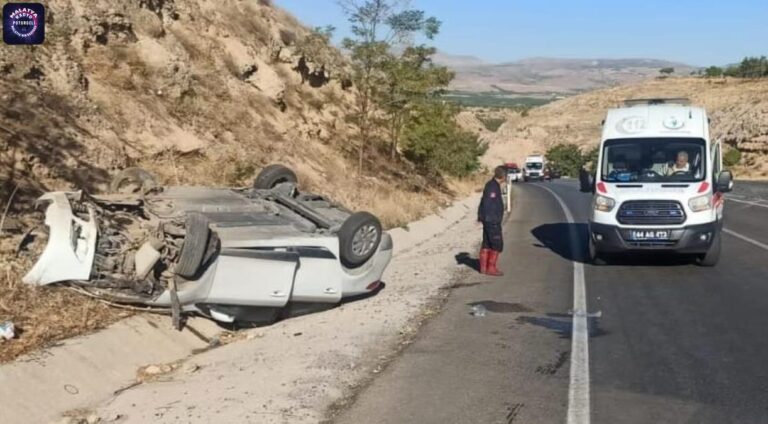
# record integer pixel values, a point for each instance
(697, 32)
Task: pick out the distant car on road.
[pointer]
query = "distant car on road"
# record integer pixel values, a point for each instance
(514, 174)
(232, 254)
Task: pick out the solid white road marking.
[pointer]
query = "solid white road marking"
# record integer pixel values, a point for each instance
(745, 238)
(578, 388)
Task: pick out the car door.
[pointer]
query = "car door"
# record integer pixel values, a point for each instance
(254, 277)
(318, 278)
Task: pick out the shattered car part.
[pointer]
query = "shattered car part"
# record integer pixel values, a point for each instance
(230, 254)
(69, 253)
(7, 330)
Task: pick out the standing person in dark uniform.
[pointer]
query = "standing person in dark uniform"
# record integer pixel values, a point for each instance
(491, 213)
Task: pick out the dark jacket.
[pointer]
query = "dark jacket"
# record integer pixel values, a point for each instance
(491, 210)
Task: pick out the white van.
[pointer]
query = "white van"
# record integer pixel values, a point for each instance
(659, 185)
(533, 168)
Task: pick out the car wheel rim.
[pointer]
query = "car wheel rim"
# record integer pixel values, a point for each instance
(364, 240)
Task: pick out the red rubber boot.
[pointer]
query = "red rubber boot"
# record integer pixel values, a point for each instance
(484, 260)
(493, 256)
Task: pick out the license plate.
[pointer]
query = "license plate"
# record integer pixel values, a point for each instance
(649, 235)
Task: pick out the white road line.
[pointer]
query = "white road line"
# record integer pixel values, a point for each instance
(578, 388)
(745, 238)
(746, 202)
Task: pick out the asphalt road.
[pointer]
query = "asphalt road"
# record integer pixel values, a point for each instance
(668, 341)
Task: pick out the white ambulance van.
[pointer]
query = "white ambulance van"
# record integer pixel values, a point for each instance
(533, 170)
(660, 182)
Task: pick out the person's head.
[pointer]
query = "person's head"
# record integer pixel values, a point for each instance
(500, 174)
(682, 159)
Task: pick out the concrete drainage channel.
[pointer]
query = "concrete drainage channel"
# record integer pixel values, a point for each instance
(84, 372)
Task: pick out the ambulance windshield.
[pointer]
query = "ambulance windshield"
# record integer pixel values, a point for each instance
(654, 160)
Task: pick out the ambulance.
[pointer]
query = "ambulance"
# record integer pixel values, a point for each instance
(659, 183)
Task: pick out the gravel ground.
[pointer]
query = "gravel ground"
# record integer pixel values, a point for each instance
(303, 369)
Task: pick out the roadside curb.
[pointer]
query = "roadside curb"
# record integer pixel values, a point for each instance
(84, 371)
(432, 225)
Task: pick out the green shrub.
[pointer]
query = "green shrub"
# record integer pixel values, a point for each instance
(590, 157)
(434, 141)
(732, 158)
(713, 72)
(566, 157)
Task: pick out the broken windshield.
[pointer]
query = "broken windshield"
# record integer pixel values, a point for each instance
(654, 160)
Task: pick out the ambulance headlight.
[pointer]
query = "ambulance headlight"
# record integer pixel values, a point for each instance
(603, 203)
(700, 203)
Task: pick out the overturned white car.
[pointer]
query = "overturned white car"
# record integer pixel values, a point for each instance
(230, 254)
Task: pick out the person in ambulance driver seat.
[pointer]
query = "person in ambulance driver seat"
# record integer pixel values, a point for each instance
(680, 165)
(490, 213)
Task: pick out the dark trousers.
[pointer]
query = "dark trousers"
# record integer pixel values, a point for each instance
(492, 238)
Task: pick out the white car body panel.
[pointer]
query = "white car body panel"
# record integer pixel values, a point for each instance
(67, 256)
(252, 282)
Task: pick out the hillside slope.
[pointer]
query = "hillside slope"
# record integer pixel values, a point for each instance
(738, 109)
(198, 91)
(552, 75)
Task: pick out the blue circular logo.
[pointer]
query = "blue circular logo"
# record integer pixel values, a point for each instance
(24, 22)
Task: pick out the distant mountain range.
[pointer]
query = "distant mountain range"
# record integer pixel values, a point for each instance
(551, 76)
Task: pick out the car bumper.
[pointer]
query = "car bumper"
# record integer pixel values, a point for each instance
(367, 278)
(692, 239)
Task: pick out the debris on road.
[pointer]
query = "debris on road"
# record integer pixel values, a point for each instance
(478, 311)
(7, 330)
(154, 371)
(191, 368)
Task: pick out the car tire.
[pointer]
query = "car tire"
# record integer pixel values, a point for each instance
(193, 250)
(594, 256)
(359, 237)
(712, 257)
(133, 179)
(273, 175)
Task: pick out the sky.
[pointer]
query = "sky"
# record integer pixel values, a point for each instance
(695, 32)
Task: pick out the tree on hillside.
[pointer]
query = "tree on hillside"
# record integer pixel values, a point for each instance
(434, 141)
(667, 71)
(713, 72)
(566, 157)
(411, 79)
(377, 25)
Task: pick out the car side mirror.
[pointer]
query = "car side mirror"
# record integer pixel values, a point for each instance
(724, 182)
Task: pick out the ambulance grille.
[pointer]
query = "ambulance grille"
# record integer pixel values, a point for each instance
(651, 212)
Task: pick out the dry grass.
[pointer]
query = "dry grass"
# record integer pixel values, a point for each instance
(43, 315)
